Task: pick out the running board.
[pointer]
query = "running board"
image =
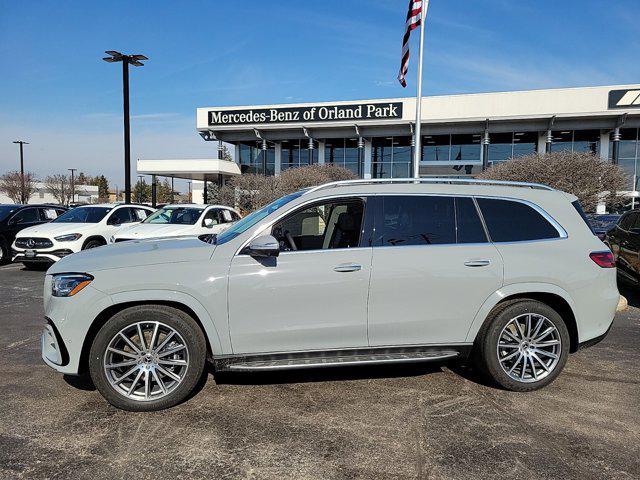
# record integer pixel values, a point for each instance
(328, 360)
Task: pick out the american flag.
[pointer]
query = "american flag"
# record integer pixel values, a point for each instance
(413, 22)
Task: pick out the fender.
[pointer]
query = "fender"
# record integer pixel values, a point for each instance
(507, 291)
(219, 345)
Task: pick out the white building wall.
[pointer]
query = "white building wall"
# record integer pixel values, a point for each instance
(84, 194)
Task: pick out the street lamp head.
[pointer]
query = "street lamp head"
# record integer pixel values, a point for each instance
(20, 141)
(119, 57)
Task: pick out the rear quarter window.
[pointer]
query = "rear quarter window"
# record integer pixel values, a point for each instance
(512, 221)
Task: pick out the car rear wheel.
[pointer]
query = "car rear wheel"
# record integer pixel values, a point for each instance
(147, 357)
(524, 346)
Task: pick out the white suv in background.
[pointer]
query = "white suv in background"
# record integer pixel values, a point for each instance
(508, 276)
(180, 220)
(77, 229)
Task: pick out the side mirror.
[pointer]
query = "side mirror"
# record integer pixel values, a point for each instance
(264, 246)
(208, 222)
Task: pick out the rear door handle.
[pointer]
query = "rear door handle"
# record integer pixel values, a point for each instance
(347, 267)
(477, 263)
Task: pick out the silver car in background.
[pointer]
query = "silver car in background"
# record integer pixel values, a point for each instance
(506, 275)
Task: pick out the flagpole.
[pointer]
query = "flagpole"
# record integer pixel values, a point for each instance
(418, 138)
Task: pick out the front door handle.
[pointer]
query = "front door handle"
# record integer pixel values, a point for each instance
(347, 267)
(477, 263)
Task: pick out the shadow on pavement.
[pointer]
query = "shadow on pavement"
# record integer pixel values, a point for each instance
(81, 382)
(632, 294)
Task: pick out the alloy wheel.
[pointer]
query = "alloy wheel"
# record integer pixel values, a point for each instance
(529, 347)
(146, 361)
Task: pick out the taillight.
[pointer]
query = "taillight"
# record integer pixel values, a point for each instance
(603, 259)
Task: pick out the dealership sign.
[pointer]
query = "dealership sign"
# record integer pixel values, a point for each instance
(322, 113)
(624, 99)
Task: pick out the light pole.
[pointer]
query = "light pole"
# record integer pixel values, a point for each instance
(22, 196)
(126, 60)
(73, 185)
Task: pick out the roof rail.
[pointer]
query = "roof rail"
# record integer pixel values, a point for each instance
(451, 181)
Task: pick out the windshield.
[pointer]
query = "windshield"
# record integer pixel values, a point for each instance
(5, 210)
(175, 216)
(250, 220)
(83, 215)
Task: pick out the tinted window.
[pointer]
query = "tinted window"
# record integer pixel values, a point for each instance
(175, 215)
(334, 224)
(469, 225)
(6, 210)
(416, 220)
(510, 221)
(28, 215)
(122, 215)
(83, 215)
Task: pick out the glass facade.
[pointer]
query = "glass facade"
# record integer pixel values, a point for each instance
(508, 145)
(576, 141)
(253, 159)
(345, 153)
(454, 149)
(391, 157)
(628, 153)
(295, 153)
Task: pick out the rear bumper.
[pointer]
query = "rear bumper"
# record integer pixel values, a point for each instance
(595, 340)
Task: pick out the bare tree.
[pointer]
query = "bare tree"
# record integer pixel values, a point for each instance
(249, 192)
(59, 186)
(11, 185)
(593, 180)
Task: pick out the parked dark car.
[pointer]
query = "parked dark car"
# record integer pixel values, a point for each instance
(14, 218)
(601, 224)
(624, 241)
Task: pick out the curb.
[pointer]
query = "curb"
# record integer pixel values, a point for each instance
(622, 304)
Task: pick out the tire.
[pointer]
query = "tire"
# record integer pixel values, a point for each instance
(93, 244)
(36, 266)
(154, 397)
(535, 368)
(5, 256)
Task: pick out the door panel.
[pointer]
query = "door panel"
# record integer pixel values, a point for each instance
(426, 294)
(298, 301)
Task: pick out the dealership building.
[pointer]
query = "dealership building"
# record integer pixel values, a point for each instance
(461, 134)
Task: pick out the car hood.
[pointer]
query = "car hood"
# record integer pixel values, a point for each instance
(135, 253)
(150, 230)
(55, 229)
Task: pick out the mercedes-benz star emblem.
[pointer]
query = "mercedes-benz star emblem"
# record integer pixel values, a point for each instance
(31, 243)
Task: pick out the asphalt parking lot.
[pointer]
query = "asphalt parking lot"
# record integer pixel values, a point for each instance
(431, 421)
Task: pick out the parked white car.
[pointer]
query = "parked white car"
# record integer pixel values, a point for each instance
(80, 228)
(180, 220)
(508, 276)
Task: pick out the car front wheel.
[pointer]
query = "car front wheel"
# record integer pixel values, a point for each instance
(524, 345)
(147, 357)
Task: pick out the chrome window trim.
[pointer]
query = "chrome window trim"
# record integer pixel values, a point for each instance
(562, 233)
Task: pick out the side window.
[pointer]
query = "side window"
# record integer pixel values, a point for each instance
(416, 220)
(511, 221)
(234, 216)
(335, 224)
(28, 215)
(139, 214)
(59, 212)
(212, 215)
(226, 216)
(627, 221)
(48, 214)
(121, 215)
(469, 227)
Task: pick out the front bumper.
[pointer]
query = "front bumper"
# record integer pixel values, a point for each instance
(50, 254)
(54, 352)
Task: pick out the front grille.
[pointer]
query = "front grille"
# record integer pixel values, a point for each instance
(118, 240)
(33, 242)
(61, 253)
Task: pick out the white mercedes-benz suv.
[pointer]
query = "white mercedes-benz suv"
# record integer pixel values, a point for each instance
(80, 228)
(180, 220)
(506, 276)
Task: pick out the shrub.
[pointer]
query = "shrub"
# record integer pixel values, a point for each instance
(585, 175)
(249, 192)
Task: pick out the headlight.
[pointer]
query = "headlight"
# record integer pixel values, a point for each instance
(68, 284)
(68, 238)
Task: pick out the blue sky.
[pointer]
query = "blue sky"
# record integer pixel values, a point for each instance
(57, 93)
